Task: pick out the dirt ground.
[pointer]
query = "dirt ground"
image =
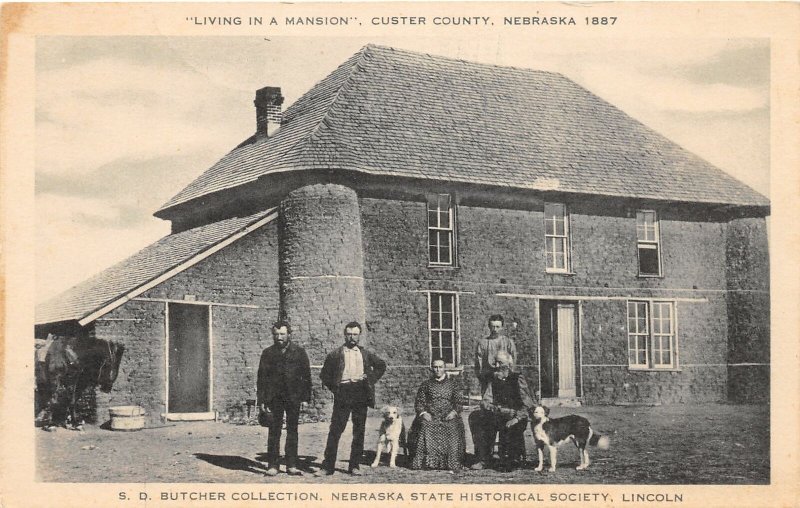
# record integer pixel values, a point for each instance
(708, 444)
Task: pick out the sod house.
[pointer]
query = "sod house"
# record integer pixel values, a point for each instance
(419, 195)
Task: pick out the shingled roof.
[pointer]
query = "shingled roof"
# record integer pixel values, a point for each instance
(155, 263)
(392, 112)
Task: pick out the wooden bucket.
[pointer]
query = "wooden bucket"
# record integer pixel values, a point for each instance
(126, 418)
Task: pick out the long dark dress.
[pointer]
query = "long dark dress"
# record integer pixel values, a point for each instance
(439, 443)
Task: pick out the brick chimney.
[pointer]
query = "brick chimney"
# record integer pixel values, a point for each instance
(268, 111)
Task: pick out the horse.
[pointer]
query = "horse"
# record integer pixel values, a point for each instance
(72, 365)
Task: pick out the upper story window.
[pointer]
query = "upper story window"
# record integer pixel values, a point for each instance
(443, 327)
(441, 230)
(556, 237)
(648, 238)
(651, 335)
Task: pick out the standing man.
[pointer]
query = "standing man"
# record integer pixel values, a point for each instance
(284, 386)
(486, 351)
(350, 372)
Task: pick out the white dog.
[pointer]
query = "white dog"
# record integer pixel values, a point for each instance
(391, 436)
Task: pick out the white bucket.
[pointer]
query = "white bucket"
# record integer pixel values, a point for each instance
(127, 417)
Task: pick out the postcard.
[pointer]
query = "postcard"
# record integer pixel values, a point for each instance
(455, 254)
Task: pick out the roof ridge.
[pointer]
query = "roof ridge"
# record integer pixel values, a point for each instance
(256, 217)
(383, 102)
(357, 59)
(461, 60)
(252, 140)
(248, 225)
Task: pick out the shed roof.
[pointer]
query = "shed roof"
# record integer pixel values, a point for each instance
(153, 264)
(398, 113)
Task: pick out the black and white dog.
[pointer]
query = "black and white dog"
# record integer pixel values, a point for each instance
(553, 432)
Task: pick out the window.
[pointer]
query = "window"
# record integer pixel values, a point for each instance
(556, 237)
(638, 333)
(651, 335)
(443, 327)
(440, 230)
(648, 240)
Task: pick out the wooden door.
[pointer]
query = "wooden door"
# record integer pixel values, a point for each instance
(565, 330)
(558, 349)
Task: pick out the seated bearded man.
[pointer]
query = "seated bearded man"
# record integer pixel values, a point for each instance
(504, 408)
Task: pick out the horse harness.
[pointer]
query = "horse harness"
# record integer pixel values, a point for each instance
(110, 358)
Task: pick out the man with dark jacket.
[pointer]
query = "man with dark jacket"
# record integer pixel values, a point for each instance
(350, 372)
(504, 408)
(284, 386)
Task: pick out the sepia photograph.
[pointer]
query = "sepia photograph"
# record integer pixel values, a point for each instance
(326, 267)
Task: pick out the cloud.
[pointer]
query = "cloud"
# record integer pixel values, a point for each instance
(59, 52)
(734, 65)
(67, 214)
(96, 112)
(679, 75)
(77, 237)
(120, 181)
(638, 91)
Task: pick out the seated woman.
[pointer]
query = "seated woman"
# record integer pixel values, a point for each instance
(437, 435)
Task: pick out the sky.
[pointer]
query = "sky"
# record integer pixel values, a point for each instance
(124, 123)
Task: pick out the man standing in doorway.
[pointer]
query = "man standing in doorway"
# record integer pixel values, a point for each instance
(350, 372)
(486, 351)
(284, 386)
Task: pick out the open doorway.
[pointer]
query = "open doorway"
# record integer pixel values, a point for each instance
(189, 360)
(559, 352)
